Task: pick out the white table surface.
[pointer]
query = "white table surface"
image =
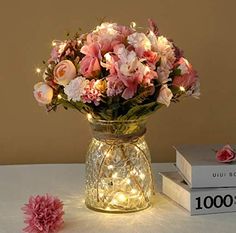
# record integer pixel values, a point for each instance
(18, 182)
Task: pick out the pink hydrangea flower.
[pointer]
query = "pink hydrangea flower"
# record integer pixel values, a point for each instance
(226, 154)
(44, 214)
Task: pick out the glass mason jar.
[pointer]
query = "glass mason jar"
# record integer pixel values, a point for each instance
(118, 167)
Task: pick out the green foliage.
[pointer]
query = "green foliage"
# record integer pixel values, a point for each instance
(140, 111)
(114, 108)
(175, 72)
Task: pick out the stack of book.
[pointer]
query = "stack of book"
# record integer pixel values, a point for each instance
(201, 185)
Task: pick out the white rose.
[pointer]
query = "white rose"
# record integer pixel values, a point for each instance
(43, 93)
(165, 95)
(64, 72)
(76, 88)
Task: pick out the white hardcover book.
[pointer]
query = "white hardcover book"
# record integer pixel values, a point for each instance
(198, 201)
(199, 167)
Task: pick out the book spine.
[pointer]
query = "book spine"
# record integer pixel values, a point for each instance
(213, 201)
(184, 167)
(206, 176)
(176, 193)
(213, 176)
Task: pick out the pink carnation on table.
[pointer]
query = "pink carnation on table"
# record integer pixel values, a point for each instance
(44, 214)
(226, 154)
(90, 64)
(188, 76)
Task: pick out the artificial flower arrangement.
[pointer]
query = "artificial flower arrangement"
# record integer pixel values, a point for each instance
(115, 72)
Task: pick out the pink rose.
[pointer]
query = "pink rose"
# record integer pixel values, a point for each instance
(90, 64)
(188, 76)
(64, 72)
(226, 154)
(165, 95)
(43, 93)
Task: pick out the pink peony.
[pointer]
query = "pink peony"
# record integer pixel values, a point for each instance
(226, 154)
(44, 214)
(43, 93)
(90, 64)
(188, 76)
(64, 72)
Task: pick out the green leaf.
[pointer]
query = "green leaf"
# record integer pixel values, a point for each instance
(140, 111)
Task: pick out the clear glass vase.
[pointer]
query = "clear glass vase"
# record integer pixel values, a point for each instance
(118, 167)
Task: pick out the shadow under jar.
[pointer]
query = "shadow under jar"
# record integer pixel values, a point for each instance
(118, 167)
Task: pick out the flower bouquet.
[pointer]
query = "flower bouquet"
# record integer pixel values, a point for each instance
(118, 76)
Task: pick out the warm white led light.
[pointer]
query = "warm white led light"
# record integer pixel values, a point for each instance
(114, 175)
(128, 181)
(54, 43)
(181, 88)
(132, 24)
(89, 116)
(38, 70)
(133, 172)
(121, 197)
(107, 57)
(142, 176)
(59, 96)
(133, 191)
(110, 167)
